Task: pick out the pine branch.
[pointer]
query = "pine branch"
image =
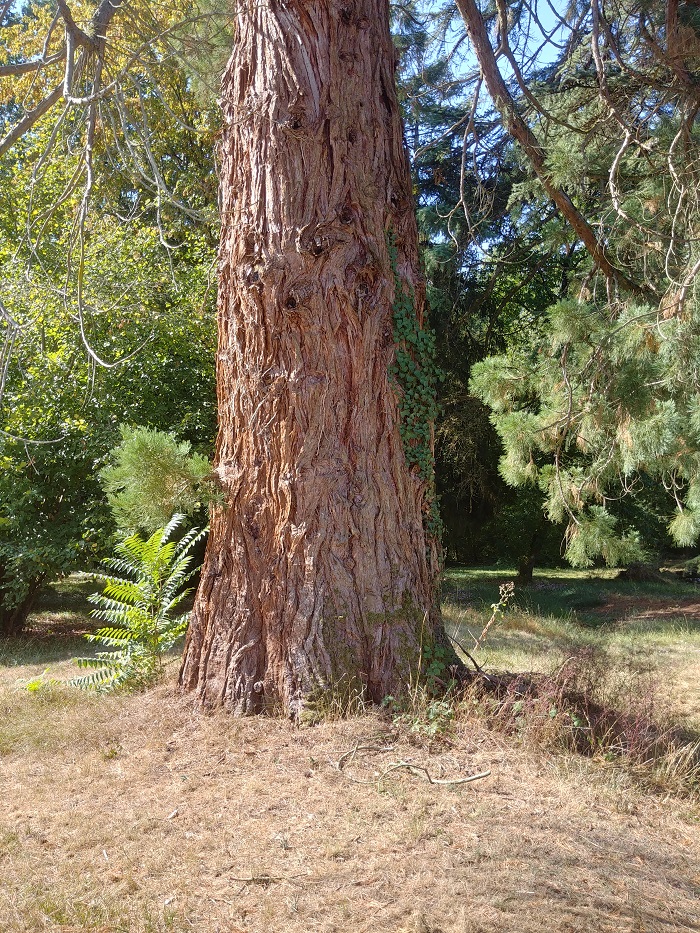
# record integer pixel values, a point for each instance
(521, 132)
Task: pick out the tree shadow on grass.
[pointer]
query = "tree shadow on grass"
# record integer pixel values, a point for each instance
(39, 645)
(582, 599)
(69, 595)
(56, 628)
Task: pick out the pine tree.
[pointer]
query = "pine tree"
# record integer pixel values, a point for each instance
(606, 398)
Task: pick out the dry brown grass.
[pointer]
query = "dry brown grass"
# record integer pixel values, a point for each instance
(139, 814)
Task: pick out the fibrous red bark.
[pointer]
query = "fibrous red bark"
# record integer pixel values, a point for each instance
(318, 568)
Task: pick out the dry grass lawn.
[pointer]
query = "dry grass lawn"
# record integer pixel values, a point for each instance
(139, 814)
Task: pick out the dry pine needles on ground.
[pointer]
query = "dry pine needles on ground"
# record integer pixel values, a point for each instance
(137, 814)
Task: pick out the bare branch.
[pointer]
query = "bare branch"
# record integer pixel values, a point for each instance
(72, 28)
(521, 132)
(30, 118)
(23, 68)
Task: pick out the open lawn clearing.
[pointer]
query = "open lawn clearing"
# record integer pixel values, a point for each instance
(645, 628)
(135, 814)
(592, 597)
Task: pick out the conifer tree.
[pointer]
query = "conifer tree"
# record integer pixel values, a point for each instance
(607, 396)
(491, 271)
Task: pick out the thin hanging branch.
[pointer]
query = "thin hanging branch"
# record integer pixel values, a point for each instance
(518, 129)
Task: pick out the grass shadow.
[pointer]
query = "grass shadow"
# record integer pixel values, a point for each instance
(69, 595)
(572, 595)
(56, 628)
(43, 646)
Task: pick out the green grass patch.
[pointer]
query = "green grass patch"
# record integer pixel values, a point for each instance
(561, 593)
(69, 595)
(56, 628)
(569, 608)
(640, 627)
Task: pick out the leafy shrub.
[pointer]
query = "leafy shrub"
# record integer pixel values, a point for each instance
(138, 607)
(49, 509)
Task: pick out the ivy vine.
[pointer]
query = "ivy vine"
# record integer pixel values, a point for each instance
(416, 374)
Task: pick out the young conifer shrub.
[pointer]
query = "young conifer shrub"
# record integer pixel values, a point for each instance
(153, 475)
(138, 605)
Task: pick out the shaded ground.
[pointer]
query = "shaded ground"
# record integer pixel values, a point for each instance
(619, 607)
(134, 814)
(592, 597)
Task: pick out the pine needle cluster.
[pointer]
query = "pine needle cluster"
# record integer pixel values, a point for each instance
(153, 476)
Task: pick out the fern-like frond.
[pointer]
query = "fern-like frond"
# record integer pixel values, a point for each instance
(125, 591)
(95, 681)
(132, 619)
(113, 637)
(137, 604)
(116, 596)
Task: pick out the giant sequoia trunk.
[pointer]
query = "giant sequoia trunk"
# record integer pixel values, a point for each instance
(319, 569)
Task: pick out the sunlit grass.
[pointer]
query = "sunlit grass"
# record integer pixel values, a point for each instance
(639, 626)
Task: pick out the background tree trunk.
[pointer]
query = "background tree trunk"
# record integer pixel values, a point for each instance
(318, 569)
(13, 618)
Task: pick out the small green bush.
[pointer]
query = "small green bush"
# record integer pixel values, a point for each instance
(153, 475)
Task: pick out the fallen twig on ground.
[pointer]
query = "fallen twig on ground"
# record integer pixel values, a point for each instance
(418, 770)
